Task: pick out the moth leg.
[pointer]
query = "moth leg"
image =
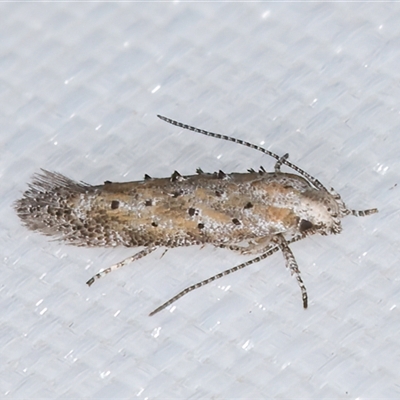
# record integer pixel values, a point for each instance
(291, 263)
(257, 246)
(122, 263)
(279, 163)
(273, 248)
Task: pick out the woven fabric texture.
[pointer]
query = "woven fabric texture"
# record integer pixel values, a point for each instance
(80, 87)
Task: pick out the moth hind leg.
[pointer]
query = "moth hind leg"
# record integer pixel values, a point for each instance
(291, 264)
(121, 264)
(269, 251)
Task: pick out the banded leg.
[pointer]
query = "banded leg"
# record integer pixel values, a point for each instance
(121, 264)
(273, 249)
(291, 264)
(279, 163)
(269, 250)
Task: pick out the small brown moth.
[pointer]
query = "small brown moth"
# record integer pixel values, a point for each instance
(251, 213)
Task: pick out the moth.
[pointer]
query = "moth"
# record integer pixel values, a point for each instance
(256, 212)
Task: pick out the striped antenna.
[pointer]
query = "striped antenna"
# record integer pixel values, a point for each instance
(281, 160)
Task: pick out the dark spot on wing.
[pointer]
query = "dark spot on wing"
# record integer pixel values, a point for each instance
(177, 193)
(305, 225)
(248, 205)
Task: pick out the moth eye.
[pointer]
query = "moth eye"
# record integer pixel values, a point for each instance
(305, 225)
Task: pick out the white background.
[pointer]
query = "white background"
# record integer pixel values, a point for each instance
(80, 87)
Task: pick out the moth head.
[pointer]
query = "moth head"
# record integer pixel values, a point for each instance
(321, 214)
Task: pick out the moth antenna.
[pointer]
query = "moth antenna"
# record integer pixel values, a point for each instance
(272, 249)
(363, 213)
(346, 211)
(281, 160)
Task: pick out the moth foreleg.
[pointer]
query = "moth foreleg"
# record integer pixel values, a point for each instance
(122, 263)
(291, 264)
